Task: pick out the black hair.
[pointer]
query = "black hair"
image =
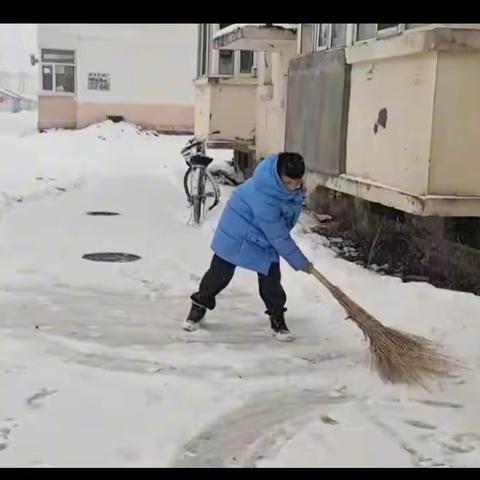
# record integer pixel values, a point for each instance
(291, 165)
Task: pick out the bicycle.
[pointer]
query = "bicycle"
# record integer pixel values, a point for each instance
(198, 178)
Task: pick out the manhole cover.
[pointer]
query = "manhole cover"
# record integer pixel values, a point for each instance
(111, 257)
(106, 214)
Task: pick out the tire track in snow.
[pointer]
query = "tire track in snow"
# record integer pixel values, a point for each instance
(121, 333)
(257, 429)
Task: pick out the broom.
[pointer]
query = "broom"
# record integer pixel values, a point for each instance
(396, 356)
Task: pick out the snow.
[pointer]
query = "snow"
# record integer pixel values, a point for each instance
(96, 370)
(235, 26)
(9, 93)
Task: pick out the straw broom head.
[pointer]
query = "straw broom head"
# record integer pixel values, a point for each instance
(396, 356)
(399, 357)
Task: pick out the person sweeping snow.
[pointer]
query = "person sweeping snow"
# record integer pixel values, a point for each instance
(253, 233)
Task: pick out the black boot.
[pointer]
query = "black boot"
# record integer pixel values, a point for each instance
(196, 315)
(279, 328)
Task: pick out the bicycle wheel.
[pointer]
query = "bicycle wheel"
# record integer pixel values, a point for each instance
(197, 210)
(211, 192)
(196, 191)
(186, 179)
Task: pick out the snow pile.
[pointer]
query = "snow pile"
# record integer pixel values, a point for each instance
(18, 124)
(37, 164)
(30, 166)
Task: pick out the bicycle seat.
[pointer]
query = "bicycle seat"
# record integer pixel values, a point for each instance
(201, 160)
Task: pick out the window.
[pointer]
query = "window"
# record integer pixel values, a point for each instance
(415, 25)
(58, 70)
(339, 35)
(366, 31)
(246, 61)
(203, 50)
(64, 78)
(323, 35)
(58, 56)
(219, 62)
(307, 38)
(47, 77)
(331, 35)
(226, 62)
(389, 28)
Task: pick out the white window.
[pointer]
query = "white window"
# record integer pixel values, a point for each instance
(58, 70)
(226, 62)
(226, 59)
(415, 25)
(233, 63)
(307, 41)
(387, 27)
(367, 31)
(338, 35)
(322, 36)
(246, 61)
(219, 62)
(331, 35)
(203, 53)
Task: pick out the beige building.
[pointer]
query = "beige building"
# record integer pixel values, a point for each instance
(388, 113)
(272, 47)
(225, 95)
(141, 72)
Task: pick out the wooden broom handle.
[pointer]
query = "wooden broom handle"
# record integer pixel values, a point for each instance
(323, 280)
(346, 302)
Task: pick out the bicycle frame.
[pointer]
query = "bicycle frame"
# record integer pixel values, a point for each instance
(194, 155)
(200, 174)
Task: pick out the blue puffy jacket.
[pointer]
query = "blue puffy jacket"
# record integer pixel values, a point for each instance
(255, 226)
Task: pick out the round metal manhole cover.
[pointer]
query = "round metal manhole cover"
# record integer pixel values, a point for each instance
(111, 257)
(106, 214)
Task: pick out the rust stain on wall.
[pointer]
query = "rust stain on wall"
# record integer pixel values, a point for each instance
(381, 120)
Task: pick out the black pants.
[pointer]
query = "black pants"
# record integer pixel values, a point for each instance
(221, 273)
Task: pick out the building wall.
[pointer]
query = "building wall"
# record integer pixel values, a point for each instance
(318, 89)
(202, 108)
(155, 116)
(226, 106)
(455, 166)
(57, 112)
(402, 87)
(413, 118)
(151, 69)
(272, 102)
(234, 108)
(224, 103)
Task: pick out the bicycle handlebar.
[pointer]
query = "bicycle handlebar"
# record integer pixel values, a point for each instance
(195, 142)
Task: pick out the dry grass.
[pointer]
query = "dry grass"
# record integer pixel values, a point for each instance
(397, 357)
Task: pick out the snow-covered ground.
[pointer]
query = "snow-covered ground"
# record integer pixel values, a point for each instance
(96, 371)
